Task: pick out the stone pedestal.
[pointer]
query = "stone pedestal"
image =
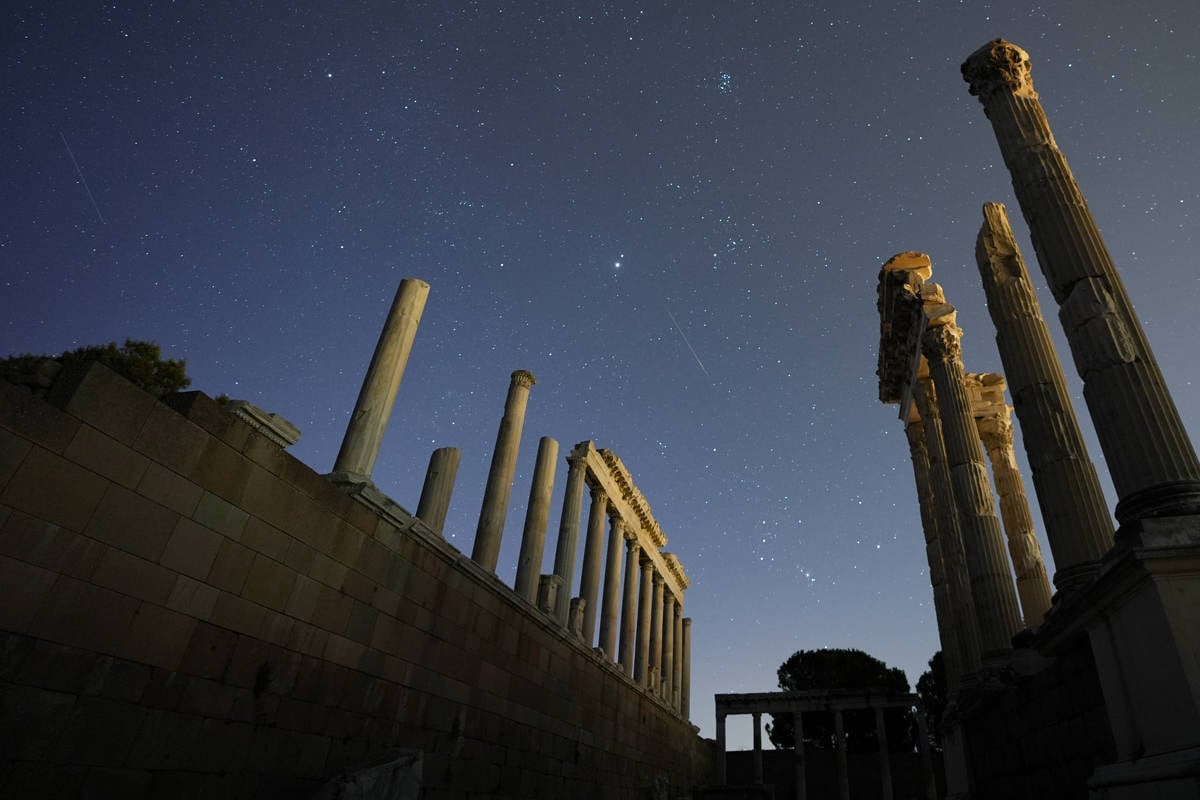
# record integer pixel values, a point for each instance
(547, 594)
(537, 516)
(364, 435)
(488, 535)
(568, 532)
(593, 554)
(439, 486)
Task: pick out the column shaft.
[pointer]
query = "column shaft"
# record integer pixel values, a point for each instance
(656, 618)
(537, 516)
(568, 535)
(801, 771)
(721, 750)
(885, 761)
(612, 585)
(364, 434)
(439, 486)
(1074, 510)
(488, 535)
(629, 611)
(843, 767)
(593, 554)
(1145, 444)
(677, 677)
(758, 758)
(668, 660)
(685, 690)
(641, 671)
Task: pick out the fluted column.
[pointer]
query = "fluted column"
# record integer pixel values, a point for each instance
(364, 433)
(500, 477)
(593, 553)
(991, 581)
(656, 620)
(609, 611)
(568, 534)
(1149, 455)
(1074, 510)
(685, 689)
(641, 670)
(668, 660)
(629, 610)
(1033, 588)
(537, 516)
(438, 487)
(950, 538)
(677, 676)
(943, 607)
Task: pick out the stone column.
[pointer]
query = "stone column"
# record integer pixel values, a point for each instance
(593, 553)
(1149, 455)
(612, 586)
(1033, 588)
(629, 611)
(439, 485)
(885, 761)
(656, 620)
(568, 532)
(1074, 510)
(801, 776)
(668, 660)
(943, 607)
(685, 689)
(954, 559)
(500, 477)
(364, 434)
(537, 516)
(721, 779)
(758, 764)
(641, 670)
(991, 581)
(677, 677)
(843, 767)
(930, 782)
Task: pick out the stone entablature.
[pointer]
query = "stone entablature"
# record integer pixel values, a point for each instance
(632, 496)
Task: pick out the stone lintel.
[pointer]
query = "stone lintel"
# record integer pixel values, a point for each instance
(275, 428)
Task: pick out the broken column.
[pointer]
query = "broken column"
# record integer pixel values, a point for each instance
(1074, 511)
(439, 486)
(500, 477)
(364, 434)
(537, 516)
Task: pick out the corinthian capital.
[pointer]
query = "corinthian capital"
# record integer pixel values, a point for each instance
(998, 66)
(996, 431)
(942, 343)
(523, 378)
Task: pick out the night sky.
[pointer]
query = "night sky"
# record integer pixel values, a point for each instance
(672, 214)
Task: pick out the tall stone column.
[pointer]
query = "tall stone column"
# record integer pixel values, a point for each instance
(843, 765)
(593, 553)
(991, 582)
(758, 761)
(885, 761)
(612, 585)
(439, 486)
(486, 551)
(629, 610)
(721, 779)
(685, 689)
(1078, 525)
(537, 517)
(568, 533)
(656, 620)
(641, 670)
(943, 607)
(1033, 588)
(950, 536)
(1149, 455)
(668, 660)
(798, 764)
(677, 677)
(364, 434)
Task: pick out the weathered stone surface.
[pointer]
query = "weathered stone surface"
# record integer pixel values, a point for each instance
(486, 550)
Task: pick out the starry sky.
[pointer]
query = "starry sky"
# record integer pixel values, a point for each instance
(672, 213)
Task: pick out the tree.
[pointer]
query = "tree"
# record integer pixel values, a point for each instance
(931, 687)
(841, 669)
(141, 363)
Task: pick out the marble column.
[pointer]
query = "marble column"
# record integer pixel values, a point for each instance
(439, 486)
(885, 761)
(685, 688)
(721, 778)
(1033, 588)
(758, 758)
(677, 677)
(954, 558)
(843, 766)
(364, 434)
(798, 764)
(656, 619)
(943, 607)
(641, 669)
(1074, 510)
(668, 640)
(490, 531)
(1149, 455)
(593, 554)
(629, 612)
(537, 517)
(609, 612)
(991, 582)
(568, 533)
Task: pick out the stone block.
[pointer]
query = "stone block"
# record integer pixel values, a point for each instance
(31, 720)
(346, 544)
(269, 583)
(209, 651)
(223, 746)
(343, 651)
(266, 539)
(223, 471)
(327, 571)
(358, 586)
(276, 629)
(362, 623)
(374, 560)
(168, 438)
(158, 637)
(192, 549)
(49, 665)
(84, 615)
(210, 416)
(164, 690)
(289, 752)
(387, 601)
(238, 614)
(166, 741)
(170, 489)
(299, 556)
(220, 515)
(333, 610)
(191, 597)
(134, 576)
(268, 454)
(230, 567)
(206, 698)
(13, 450)
(267, 497)
(102, 398)
(105, 456)
(251, 664)
(117, 679)
(32, 419)
(303, 601)
(48, 546)
(52, 488)
(132, 523)
(99, 732)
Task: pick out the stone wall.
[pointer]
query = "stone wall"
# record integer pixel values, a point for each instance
(188, 611)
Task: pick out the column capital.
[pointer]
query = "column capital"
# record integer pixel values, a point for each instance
(996, 67)
(632, 545)
(668, 599)
(942, 343)
(658, 578)
(996, 431)
(523, 378)
(600, 496)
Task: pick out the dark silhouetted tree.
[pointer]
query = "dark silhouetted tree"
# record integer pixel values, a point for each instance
(141, 363)
(931, 688)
